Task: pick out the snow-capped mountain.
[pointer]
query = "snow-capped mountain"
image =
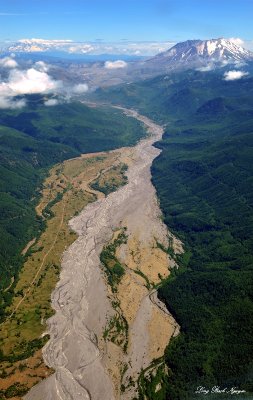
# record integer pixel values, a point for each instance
(38, 45)
(202, 52)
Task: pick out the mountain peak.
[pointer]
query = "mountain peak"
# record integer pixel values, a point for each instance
(201, 51)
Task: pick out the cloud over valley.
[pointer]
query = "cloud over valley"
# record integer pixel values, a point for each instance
(115, 64)
(234, 75)
(8, 62)
(33, 80)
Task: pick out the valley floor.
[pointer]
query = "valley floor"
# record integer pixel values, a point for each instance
(108, 324)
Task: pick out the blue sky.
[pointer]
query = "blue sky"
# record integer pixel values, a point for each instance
(117, 20)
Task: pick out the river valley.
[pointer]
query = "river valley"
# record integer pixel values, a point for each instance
(90, 360)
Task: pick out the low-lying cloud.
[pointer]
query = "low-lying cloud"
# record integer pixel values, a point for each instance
(51, 102)
(237, 41)
(34, 80)
(41, 66)
(206, 68)
(81, 49)
(115, 64)
(233, 75)
(7, 102)
(30, 81)
(80, 88)
(8, 62)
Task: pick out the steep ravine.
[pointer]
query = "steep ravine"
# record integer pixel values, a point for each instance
(83, 367)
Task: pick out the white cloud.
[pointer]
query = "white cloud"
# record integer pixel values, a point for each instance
(31, 81)
(161, 49)
(139, 48)
(41, 66)
(226, 62)
(45, 41)
(237, 41)
(115, 64)
(23, 82)
(239, 64)
(34, 80)
(6, 102)
(248, 44)
(206, 68)
(81, 49)
(80, 88)
(8, 62)
(51, 102)
(233, 75)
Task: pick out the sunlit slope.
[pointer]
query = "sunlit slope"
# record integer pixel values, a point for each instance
(33, 139)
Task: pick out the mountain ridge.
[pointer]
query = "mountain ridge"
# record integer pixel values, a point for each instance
(201, 52)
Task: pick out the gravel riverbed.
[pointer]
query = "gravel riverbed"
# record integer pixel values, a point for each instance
(80, 299)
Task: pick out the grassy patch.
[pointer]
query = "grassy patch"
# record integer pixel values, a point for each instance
(152, 381)
(140, 273)
(116, 330)
(169, 250)
(111, 180)
(113, 268)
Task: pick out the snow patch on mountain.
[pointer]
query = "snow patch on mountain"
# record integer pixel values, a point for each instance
(216, 50)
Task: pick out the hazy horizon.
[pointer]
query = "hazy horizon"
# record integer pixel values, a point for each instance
(140, 28)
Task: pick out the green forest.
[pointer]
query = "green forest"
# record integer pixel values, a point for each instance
(32, 140)
(204, 181)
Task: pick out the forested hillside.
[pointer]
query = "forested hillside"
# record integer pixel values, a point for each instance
(177, 95)
(204, 180)
(32, 139)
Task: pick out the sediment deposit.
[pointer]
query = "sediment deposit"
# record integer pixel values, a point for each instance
(86, 368)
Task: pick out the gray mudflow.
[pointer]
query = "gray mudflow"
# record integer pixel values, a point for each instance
(80, 298)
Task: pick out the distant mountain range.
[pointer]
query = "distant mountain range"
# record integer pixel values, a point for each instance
(184, 52)
(70, 48)
(108, 70)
